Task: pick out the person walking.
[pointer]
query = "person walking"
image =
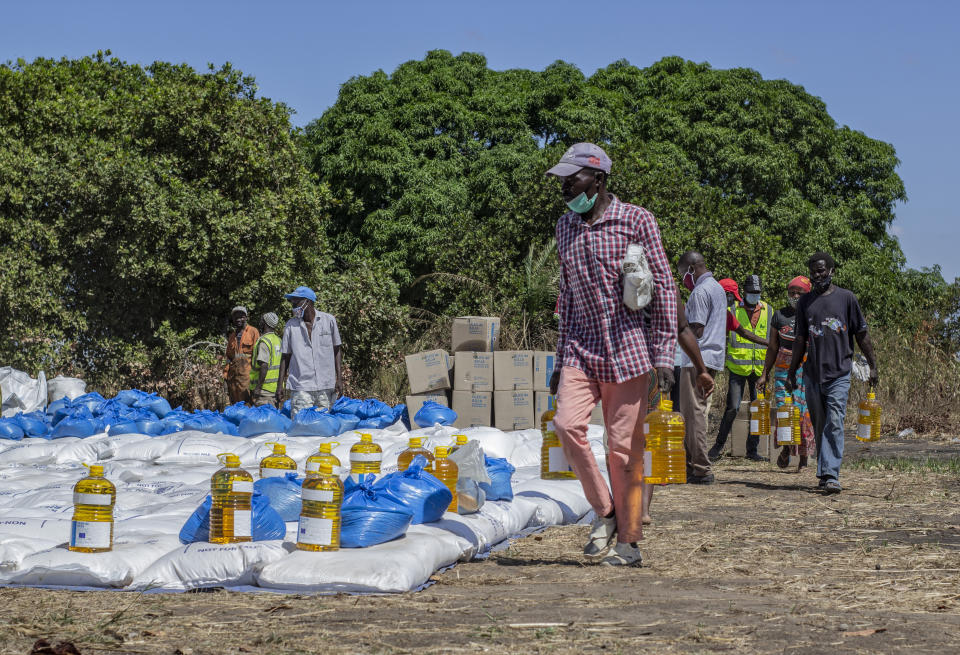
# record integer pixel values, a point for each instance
(706, 312)
(829, 320)
(263, 378)
(239, 356)
(605, 350)
(744, 361)
(779, 355)
(310, 362)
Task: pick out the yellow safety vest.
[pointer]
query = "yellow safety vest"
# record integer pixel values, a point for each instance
(745, 357)
(273, 367)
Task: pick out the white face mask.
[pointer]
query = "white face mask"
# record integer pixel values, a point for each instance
(793, 301)
(751, 298)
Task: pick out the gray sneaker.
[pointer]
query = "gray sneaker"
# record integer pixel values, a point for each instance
(623, 555)
(601, 536)
(832, 487)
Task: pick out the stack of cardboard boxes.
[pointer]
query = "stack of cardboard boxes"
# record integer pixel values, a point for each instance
(509, 389)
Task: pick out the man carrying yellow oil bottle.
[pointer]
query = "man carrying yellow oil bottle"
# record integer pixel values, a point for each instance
(744, 361)
(266, 356)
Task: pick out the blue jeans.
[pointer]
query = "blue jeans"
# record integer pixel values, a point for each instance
(827, 402)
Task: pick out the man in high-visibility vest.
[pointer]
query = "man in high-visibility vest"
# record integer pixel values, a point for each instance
(744, 362)
(263, 378)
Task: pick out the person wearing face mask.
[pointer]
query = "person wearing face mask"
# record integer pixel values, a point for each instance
(239, 356)
(779, 355)
(310, 360)
(605, 349)
(263, 378)
(706, 313)
(744, 361)
(829, 320)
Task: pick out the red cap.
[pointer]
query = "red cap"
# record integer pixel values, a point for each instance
(730, 286)
(800, 282)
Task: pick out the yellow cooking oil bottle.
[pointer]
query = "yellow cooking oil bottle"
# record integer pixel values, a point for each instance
(277, 464)
(414, 448)
(553, 463)
(446, 471)
(788, 423)
(365, 456)
(459, 440)
(760, 416)
(93, 499)
(869, 421)
(322, 496)
(324, 453)
(665, 456)
(231, 489)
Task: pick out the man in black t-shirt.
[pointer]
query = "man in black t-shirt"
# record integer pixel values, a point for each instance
(829, 319)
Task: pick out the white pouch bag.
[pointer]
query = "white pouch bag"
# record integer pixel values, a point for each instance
(637, 278)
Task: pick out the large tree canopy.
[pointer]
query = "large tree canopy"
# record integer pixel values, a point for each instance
(447, 157)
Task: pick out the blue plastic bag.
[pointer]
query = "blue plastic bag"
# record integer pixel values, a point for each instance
(56, 405)
(235, 412)
(345, 405)
(347, 422)
(499, 471)
(417, 490)
(261, 420)
(283, 494)
(376, 423)
(155, 404)
(372, 407)
(79, 423)
(91, 401)
(129, 396)
(360, 528)
(67, 409)
(266, 523)
(285, 409)
(432, 413)
(313, 422)
(112, 408)
(33, 424)
(10, 429)
(206, 420)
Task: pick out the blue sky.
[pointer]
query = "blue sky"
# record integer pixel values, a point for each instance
(886, 68)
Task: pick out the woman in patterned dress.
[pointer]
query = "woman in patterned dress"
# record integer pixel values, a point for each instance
(779, 353)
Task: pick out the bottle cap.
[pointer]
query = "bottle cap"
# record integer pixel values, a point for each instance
(229, 460)
(325, 467)
(461, 439)
(95, 470)
(278, 448)
(666, 404)
(871, 396)
(788, 400)
(441, 451)
(416, 442)
(327, 448)
(760, 395)
(366, 438)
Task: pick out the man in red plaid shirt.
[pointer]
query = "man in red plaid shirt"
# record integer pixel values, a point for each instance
(605, 349)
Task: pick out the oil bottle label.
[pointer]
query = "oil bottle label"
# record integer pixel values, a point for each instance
(863, 430)
(90, 534)
(550, 427)
(783, 414)
(647, 463)
(241, 523)
(242, 486)
(754, 409)
(318, 532)
(558, 461)
(754, 426)
(785, 435)
(646, 428)
(318, 495)
(865, 412)
(271, 473)
(91, 499)
(366, 457)
(313, 467)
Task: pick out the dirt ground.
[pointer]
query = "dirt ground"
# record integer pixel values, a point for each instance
(757, 563)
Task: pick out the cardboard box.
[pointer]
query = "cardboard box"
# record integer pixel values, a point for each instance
(543, 363)
(473, 408)
(741, 430)
(428, 371)
(475, 334)
(512, 369)
(473, 371)
(513, 410)
(415, 402)
(544, 400)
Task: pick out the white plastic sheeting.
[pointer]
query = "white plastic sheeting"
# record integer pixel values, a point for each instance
(161, 480)
(20, 392)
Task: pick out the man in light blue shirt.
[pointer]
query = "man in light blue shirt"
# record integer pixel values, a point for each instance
(310, 355)
(706, 313)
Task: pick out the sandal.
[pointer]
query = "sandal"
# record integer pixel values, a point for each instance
(783, 461)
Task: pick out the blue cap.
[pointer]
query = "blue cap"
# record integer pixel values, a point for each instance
(302, 292)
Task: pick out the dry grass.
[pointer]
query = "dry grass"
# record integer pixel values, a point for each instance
(757, 563)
